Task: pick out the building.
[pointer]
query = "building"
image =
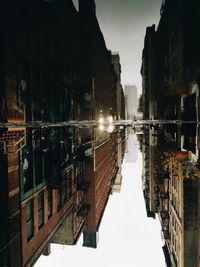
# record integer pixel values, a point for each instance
(53, 73)
(120, 115)
(131, 101)
(174, 196)
(171, 58)
(148, 72)
(179, 211)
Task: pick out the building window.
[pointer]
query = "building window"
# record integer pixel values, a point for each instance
(60, 202)
(29, 221)
(69, 184)
(50, 203)
(41, 209)
(64, 191)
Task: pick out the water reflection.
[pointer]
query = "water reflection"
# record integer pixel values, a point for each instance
(171, 173)
(55, 187)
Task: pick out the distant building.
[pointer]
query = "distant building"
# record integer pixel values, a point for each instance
(130, 92)
(131, 154)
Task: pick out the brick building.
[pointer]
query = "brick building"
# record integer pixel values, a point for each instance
(176, 191)
(176, 62)
(51, 72)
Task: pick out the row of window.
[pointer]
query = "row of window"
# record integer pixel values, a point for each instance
(46, 152)
(30, 213)
(64, 194)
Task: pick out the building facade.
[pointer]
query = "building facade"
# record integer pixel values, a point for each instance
(53, 73)
(131, 101)
(170, 63)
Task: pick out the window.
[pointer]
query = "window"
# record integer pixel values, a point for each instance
(50, 203)
(62, 194)
(64, 191)
(69, 184)
(59, 199)
(29, 220)
(41, 209)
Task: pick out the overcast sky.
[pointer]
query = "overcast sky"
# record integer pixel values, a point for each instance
(123, 23)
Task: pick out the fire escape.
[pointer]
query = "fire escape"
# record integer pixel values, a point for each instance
(13, 139)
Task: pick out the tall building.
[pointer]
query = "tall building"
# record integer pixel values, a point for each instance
(130, 92)
(170, 63)
(170, 73)
(55, 181)
(150, 96)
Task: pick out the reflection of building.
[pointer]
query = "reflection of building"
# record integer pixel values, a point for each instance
(180, 219)
(176, 177)
(50, 175)
(131, 101)
(121, 145)
(120, 115)
(146, 174)
(100, 171)
(171, 58)
(131, 148)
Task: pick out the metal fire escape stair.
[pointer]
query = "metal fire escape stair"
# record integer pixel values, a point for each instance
(13, 140)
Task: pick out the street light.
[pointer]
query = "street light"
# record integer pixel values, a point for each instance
(107, 124)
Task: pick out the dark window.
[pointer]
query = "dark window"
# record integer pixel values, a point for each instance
(29, 220)
(38, 167)
(69, 184)
(64, 190)
(50, 203)
(41, 209)
(60, 202)
(27, 171)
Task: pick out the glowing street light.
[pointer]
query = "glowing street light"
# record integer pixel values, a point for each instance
(107, 124)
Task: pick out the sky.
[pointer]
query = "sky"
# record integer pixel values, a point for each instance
(123, 23)
(126, 238)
